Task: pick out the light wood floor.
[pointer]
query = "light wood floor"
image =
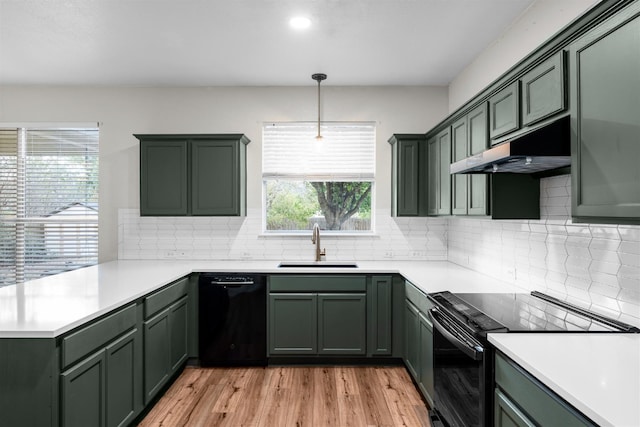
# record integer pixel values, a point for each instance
(291, 396)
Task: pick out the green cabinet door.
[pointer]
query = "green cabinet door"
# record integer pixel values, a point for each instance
(379, 316)
(123, 380)
(426, 358)
(82, 393)
(157, 346)
(605, 98)
(439, 159)
(408, 185)
(163, 177)
(293, 323)
(165, 346)
(178, 321)
(504, 114)
(507, 414)
(527, 395)
(432, 174)
(543, 90)
(215, 177)
(342, 328)
(412, 340)
(459, 151)
(478, 184)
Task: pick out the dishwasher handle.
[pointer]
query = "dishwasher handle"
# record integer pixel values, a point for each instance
(231, 283)
(462, 341)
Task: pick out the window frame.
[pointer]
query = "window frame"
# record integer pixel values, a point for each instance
(78, 217)
(303, 177)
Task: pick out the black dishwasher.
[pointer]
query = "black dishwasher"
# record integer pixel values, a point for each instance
(232, 319)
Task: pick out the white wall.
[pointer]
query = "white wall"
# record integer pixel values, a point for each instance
(125, 111)
(537, 24)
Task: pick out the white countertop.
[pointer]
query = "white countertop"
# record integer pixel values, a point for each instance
(53, 305)
(599, 374)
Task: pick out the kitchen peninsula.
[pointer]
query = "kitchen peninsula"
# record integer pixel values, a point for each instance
(49, 309)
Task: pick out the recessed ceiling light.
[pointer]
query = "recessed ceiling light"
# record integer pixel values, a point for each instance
(300, 22)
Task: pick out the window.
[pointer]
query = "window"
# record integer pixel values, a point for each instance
(48, 202)
(328, 181)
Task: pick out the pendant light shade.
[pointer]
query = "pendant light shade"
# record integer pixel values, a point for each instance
(319, 77)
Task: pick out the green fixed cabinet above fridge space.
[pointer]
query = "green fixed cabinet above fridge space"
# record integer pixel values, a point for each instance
(605, 100)
(193, 174)
(408, 175)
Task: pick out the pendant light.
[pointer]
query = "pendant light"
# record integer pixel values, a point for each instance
(319, 77)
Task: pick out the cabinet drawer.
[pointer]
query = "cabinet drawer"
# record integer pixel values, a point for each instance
(159, 300)
(539, 403)
(317, 283)
(82, 342)
(417, 298)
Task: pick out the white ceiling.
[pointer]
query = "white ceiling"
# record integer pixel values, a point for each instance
(245, 42)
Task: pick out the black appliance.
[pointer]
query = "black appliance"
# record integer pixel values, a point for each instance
(232, 319)
(463, 358)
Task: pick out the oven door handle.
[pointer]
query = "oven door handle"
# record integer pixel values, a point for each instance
(470, 347)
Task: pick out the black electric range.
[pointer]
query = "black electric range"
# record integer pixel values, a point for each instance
(463, 358)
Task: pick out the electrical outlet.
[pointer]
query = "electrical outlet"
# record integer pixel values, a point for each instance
(388, 254)
(170, 254)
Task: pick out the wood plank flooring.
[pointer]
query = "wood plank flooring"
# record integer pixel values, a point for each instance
(323, 396)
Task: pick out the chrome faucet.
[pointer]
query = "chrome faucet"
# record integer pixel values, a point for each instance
(315, 239)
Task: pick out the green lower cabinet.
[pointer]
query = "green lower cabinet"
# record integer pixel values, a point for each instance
(342, 324)
(507, 413)
(83, 393)
(522, 400)
(104, 389)
(425, 359)
(178, 315)
(293, 324)
(412, 339)
(380, 316)
(317, 324)
(156, 354)
(123, 380)
(165, 346)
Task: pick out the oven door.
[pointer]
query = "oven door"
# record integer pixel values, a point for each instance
(461, 376)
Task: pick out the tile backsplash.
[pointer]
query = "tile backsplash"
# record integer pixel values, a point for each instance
(218, 238)
(590, 264)
(593, 265)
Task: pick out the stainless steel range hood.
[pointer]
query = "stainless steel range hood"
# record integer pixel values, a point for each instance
(546, 148)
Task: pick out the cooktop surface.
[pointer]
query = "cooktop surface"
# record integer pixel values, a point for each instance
(516, 312)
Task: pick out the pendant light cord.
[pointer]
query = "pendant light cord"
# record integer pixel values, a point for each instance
(319, 77)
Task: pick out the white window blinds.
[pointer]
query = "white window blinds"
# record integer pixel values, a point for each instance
(48, 202)
(345, 153)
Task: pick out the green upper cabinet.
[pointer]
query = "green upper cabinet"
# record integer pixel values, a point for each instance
(193, 175)
(504, 114)
(469, 136)
(408, 175)
(439, 159)
(459, 151)
(543, 90)
(605, 99)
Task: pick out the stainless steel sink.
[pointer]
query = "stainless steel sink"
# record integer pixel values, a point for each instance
(317, 264)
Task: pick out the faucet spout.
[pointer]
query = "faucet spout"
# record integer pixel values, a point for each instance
(315, 239)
